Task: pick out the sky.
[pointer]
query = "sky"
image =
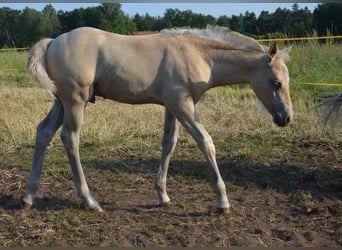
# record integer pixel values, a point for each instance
(158, 9)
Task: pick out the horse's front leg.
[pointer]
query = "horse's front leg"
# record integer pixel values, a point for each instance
(171, 128)
(187, 116)
(70, 135)
(45, 131)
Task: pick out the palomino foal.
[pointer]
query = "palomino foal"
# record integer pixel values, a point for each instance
(173, 68)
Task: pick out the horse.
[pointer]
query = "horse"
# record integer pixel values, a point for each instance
(172, 68)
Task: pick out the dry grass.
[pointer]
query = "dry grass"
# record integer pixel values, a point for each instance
(228, 114)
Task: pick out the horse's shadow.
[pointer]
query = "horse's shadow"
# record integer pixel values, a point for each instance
(288, 179)
(322, 182)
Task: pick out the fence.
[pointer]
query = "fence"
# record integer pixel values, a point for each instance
(259, 40)
(299, 38)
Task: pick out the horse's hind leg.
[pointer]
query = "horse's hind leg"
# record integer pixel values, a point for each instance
(45, 131)
(171, 127)
(70, 135)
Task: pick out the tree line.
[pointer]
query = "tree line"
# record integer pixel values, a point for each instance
(21, 28)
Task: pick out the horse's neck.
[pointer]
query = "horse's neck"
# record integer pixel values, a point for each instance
(233, 66)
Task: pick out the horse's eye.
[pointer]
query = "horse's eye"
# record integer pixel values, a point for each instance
(277, 83)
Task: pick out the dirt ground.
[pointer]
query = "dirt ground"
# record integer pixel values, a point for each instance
(272, 205)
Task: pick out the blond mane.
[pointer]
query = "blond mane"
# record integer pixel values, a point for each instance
(225, 34)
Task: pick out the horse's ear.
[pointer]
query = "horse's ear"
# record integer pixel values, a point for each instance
(272, 51)
(287, 50)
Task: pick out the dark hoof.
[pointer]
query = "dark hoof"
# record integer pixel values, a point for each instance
(97, 209)
(25, 206)
(223, 210)
(165, 204)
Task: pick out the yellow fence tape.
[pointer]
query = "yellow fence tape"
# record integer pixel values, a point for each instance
(14, 49)
(320, 84)
(12, 69)
(299, 38)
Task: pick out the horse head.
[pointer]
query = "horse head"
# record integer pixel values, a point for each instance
(270, 83)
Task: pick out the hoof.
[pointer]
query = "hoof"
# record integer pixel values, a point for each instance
(165, 204)
(25, 206)
(223, 210)
(97, 209)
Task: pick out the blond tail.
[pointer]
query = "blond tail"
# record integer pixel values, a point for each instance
(331, 109)
(36, 64)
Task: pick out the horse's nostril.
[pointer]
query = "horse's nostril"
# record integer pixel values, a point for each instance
(288, 119)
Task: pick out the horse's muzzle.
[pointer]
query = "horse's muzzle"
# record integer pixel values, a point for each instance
(282, 120)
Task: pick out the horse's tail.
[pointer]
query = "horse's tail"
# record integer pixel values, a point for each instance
(332, 110)
(36, 64)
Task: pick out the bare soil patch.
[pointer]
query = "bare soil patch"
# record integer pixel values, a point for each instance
(286, 203)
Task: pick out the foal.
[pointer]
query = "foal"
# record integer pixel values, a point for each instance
(173, 68)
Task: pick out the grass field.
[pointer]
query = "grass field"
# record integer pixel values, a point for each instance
(285, 184)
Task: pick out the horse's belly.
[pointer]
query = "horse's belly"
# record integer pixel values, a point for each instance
(125, 93)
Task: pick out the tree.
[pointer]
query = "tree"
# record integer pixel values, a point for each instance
(52, 23)
(281, 20)
(301, 21)
(71, 19)
(201, 21)
(265, 23)
(250, 23)
(92, 17)
(107, 16)
(8, 19)
(138, 20)
(145, 22)
(237, 24)
(223, 21)
(114, 20)
(176, 18)
(29, 27)
(328, 17)
(170, 18)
